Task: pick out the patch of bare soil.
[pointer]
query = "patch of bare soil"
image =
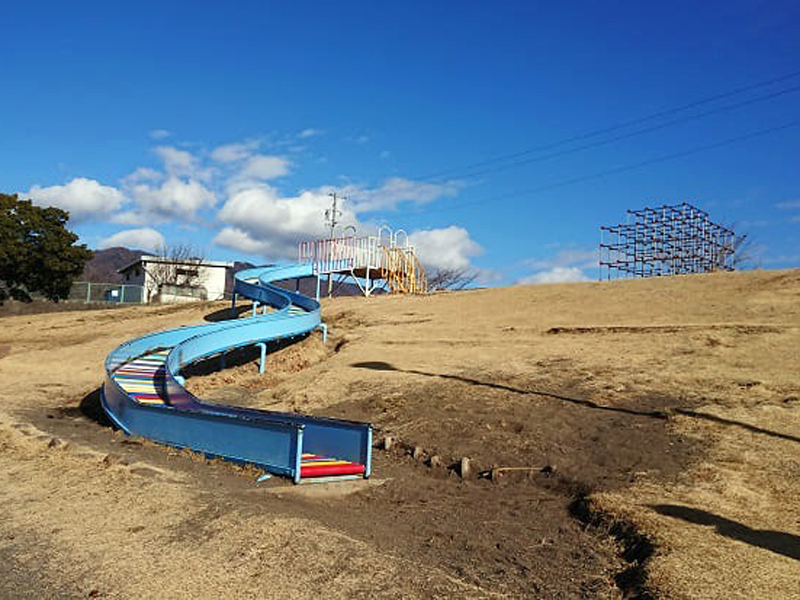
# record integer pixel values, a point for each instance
(503, 539)
(499, 422)
(470, 538)
(511, 535)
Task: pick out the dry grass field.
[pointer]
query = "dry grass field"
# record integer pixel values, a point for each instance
(653, 428)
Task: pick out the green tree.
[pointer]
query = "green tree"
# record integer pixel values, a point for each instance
(37, 252)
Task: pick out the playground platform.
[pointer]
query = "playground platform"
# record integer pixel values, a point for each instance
(373, 262)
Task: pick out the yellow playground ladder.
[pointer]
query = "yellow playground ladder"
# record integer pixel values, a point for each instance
(403, 272)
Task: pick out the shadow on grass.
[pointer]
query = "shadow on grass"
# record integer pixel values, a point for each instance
(382, 366)
(652, 414)
(723, 421)
(779, 542)
(224, 314)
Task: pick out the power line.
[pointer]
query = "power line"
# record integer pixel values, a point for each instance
(631, 134)
(612, 128)
(615, 170)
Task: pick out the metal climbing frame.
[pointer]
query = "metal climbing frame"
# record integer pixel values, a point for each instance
(373, 262)
(668, 240)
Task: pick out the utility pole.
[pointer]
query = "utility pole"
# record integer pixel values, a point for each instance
(333, 213)
(331, 219)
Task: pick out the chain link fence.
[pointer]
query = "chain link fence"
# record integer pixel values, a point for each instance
(85, 291)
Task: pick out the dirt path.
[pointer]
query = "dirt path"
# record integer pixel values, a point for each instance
(638, 396)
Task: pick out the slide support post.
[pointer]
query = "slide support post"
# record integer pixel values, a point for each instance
(262, 364)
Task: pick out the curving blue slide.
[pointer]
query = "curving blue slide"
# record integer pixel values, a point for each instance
(143, 392)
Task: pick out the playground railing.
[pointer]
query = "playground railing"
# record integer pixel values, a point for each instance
(342, 254)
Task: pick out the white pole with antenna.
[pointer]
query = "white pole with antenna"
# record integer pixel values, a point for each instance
(332, 220)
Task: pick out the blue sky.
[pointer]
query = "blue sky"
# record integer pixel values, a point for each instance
(226, 127)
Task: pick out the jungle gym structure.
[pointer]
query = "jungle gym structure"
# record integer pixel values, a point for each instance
(665, 240)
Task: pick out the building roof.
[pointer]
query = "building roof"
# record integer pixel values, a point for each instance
(160, 259)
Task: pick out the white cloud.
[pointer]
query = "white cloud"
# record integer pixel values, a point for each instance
(310, 132)
(567, 257)
(160, 134)
(396, 190)
(261, 166)
(255, 218)
(235, 152)
(261, 221)
(84, 198)
(447, 248)
(556, 275)
(132, 217)
(788, 205)
(182, 163)
(358, 139)
(233, 237)
(567, 264)
(143, 174)
(186, 185)
(143, 239)
(175, 160)
(175, 198)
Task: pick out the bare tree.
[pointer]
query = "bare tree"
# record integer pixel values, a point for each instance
(745, 253)
(450, 278)
(176, 267)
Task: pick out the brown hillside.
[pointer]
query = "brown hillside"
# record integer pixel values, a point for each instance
(654, 427)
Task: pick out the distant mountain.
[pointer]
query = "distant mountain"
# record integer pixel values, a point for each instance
(105, 263)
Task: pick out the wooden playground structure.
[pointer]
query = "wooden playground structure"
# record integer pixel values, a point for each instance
(373, 262)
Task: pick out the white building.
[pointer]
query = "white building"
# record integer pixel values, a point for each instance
(177, 280)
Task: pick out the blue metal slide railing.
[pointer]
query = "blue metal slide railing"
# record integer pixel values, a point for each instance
(275, 441)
